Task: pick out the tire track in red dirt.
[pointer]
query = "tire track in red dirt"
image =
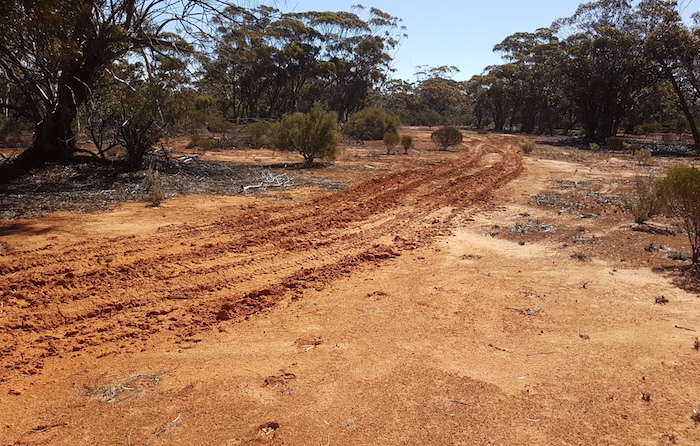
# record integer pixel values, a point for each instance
(113, 294)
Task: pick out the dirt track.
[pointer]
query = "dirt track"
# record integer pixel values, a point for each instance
(187, 277)
(400, 311)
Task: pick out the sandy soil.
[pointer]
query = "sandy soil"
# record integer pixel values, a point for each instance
(470, 297)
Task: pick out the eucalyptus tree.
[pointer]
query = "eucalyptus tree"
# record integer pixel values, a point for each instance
(606, 73)
(399, 96)
(267, 63)
(536, 60)
(53, 52)
(476, 96)
(438, 92)
(501, 88)
(674, 49)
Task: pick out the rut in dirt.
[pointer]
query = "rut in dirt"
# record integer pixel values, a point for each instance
(115, 293)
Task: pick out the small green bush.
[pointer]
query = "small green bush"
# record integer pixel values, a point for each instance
(615, 142)
(259, 134)
(313, 135)
(15, 133)
(446, 137)
(406, 143)
(371, 124)
(593, 147)
(644, 201)
(647, 129)
(391, 140)
(680, 190)
(219, 125)
(201, 142)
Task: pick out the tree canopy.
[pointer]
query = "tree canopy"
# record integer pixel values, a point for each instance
(52, 53)
(130, 71)
(266, 63)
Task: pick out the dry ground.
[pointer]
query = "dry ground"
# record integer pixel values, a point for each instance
(471, 297)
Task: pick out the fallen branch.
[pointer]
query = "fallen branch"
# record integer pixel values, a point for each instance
(44, 428)
(527, 312)
(462, 403)
(684, 328)
(533, 312)
(268, 179)
(252, 186)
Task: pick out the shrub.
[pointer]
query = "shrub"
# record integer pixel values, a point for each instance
(680, 191)
(644, 202)
(154, 184)
(259, 134)
(371, 124)
(406, 143)
(646, 129)
(201, 142)
(14, 133)
(391, 140)
(643, 156)
(615, 142)
(528, 146)
(446, 136)
(428, 118)
(313, 135)
(593, 147)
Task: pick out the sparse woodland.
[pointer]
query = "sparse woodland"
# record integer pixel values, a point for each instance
(125, 75)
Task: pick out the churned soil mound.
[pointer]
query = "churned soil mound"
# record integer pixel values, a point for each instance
(464, 297)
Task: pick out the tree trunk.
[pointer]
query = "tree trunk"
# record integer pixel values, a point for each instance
(685, 108)
(53, 143)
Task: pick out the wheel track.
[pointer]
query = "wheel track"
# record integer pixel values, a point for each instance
(226, 268)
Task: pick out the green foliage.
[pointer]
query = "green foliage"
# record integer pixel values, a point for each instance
(371, 124)
(648, 129)
(391, 140)
(259, 134)
(593, 147)
(313, 135)
(136, 112)
(201, 142)
(446, 137)
(644, 201)
(680, 190)
(615, 142)
(428, 118)
(267, 63)
(220, 126)
(14, 133)
(56, 52)
(406, 143)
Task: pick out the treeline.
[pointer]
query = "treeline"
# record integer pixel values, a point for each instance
(612, 66)
(128, 72)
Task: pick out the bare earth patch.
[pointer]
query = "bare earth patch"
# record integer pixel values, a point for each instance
(467, 297)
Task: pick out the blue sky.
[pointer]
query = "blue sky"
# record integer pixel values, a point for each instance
(459, 33)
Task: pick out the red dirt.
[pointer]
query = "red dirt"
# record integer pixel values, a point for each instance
(400, 311)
